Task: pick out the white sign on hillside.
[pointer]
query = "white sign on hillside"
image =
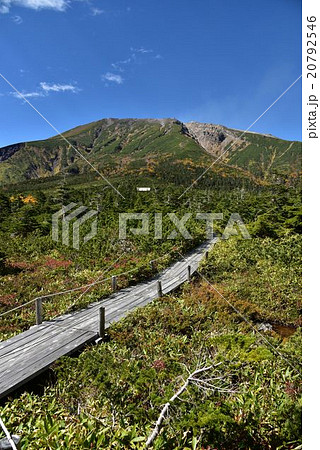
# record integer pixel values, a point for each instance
(143, 189)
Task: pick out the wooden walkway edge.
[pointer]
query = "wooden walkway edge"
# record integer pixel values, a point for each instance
(27, 354)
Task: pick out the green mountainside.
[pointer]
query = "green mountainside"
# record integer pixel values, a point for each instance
(125, 146)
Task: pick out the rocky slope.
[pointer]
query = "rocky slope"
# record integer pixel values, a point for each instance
(215, 139)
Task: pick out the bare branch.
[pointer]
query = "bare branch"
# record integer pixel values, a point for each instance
(192, 378)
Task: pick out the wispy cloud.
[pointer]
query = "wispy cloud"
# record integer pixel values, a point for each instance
(17, 20)
(118, 65)
(113, 77)
(141, 50)
(137, 55)
(4, 9)
(96, 11)
(34, 94)
(45, 89)
(57, 5)
(54, 87)
(133, 58)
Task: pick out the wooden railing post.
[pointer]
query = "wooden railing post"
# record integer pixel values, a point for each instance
(159, 287)
(39, 311)
(102, 322)
(114, 283)
(189, 273)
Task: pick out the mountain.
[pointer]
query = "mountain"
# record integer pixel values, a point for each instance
(261, 154)
(119, 146)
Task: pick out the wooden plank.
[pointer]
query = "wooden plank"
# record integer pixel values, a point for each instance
(41, 351)
(60, 338)
(26, 355)
(35, 368)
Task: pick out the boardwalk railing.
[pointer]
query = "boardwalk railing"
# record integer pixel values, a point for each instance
(38, 301)
(31, 352)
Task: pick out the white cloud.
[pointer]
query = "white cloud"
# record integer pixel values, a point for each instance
(141, 50)
(4, 9)
(27, 94)
(118, 64)
(45, 89)
(57, 5)
(96, 11)
(54, 87)
(115, 78)
(17, 20)
(137, 56)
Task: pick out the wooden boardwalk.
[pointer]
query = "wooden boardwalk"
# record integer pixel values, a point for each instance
(27, 354)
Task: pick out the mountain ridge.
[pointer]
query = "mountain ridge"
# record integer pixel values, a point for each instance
(130, 144)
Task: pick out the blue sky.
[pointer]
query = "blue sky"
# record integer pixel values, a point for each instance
(207, 60)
